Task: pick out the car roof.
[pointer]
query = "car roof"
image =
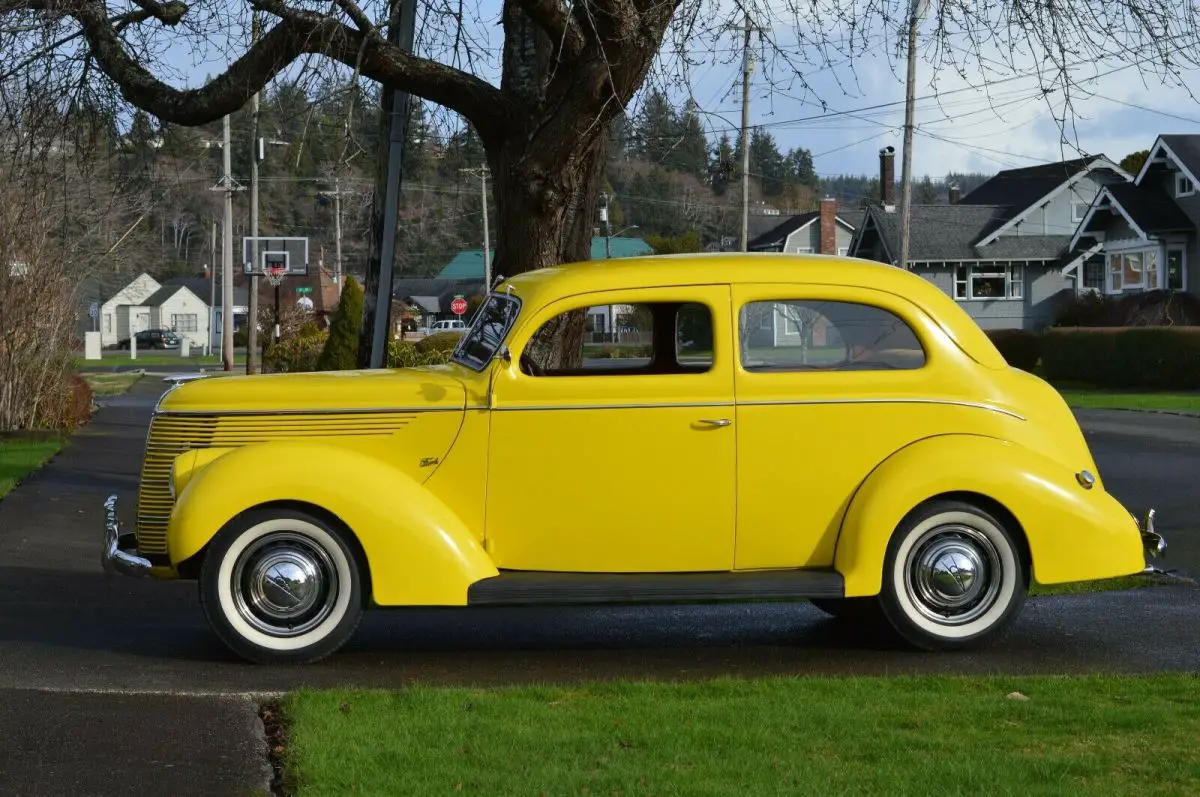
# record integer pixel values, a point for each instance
(724, 268)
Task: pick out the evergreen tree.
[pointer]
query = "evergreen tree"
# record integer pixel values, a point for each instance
(657, 129)
(341, 347)
(721, 168)
(766, 162)
(690, 152)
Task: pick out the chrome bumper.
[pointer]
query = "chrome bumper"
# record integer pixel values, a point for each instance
(114, 558)
(1152, 542)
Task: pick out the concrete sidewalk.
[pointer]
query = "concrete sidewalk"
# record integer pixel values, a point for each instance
(99, 743)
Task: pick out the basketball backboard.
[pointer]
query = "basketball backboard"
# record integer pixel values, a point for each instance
(274, 251)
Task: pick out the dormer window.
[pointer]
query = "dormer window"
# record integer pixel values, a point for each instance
(1184, 185)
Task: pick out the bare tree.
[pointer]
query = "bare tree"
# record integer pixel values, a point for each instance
(567, 67)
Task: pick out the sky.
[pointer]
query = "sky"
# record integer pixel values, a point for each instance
(960, 126)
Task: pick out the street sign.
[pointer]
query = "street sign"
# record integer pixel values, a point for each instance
(304, 289)
(94, 310)
(458, 306)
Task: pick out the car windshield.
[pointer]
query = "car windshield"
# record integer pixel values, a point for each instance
(491, 324)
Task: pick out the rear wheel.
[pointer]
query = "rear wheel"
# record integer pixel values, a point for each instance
(281, 586)
(953, 577)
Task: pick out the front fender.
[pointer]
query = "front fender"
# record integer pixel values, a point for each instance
(418, 551)
(1073, 534)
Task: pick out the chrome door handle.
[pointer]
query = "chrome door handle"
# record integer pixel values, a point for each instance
(716, 421)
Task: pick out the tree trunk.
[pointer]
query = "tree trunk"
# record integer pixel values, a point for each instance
(545, 212)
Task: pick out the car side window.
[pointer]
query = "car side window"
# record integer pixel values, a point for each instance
(812, 335)
(623, 339)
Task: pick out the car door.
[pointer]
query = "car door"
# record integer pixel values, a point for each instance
(830, 381)
(625, 463)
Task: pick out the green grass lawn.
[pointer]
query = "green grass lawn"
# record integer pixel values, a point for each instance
(800, 735)
(1102, 585)
(111, 384)
(1109, 399)
(112, 357)
(19, 458)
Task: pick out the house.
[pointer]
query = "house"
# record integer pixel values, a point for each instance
(178, 309)
(208, 290)
(1001, 250)
(1141, 235)
(123, 311)
(822, 231)
(468, 264)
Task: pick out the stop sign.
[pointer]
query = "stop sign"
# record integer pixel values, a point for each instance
(458, 306)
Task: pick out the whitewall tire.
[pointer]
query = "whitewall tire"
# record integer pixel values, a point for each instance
(953, 577)
(281, 586)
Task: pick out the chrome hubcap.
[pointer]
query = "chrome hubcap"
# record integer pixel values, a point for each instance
(953, 574)
(284, 584)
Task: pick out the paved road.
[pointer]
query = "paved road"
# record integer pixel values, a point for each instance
(65, 626)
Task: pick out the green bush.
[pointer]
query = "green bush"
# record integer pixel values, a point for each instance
(406, 354)
(1157, 358)
(341, 347)
(296, 354)
(439, 342)
(1020, 347)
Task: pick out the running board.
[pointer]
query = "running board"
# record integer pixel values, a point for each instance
(524, 588)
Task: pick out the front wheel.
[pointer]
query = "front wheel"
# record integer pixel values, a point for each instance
(953, 577)
(281, 586)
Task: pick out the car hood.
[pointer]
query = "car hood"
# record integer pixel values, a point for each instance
(424, 388)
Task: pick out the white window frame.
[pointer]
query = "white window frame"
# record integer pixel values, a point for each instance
(1150, 261)
(1079, 209)
(842, 250)
(1184, 185)
(1014, 282)
(192, 318)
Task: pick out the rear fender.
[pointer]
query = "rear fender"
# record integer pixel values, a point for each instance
(1073, 534)
(417, 550)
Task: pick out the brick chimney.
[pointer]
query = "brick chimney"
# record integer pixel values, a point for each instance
(828, 226)
(955, 193)
(887, 177)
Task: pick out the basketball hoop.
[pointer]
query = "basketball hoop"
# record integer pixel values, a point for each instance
(274, 274)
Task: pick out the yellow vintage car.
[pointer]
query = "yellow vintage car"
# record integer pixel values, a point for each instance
(726, 428)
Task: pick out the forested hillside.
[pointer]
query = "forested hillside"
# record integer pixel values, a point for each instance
(664, 175)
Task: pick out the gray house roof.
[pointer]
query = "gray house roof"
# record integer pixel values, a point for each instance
(1150, 208)
(161, 295)
(1020, 188)
(1186, 148)
(203, 287)
(949, 232)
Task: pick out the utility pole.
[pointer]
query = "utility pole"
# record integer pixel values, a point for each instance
(212, 290)
(916, 9)
(337, 232)
(377, 293)
(747, 67)
(252, 364)
(227, 255)
(482, 174)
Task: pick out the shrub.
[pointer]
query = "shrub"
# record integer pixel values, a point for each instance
(406, 354)
(1159, 358)
(1020, 347)
(298, 353)
(439, 342)
(341, 347)
(1149, 308)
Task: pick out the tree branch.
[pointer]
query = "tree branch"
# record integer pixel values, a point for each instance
(298, 32)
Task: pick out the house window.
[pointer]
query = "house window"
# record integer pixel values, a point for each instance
(185, 323)
(1183, 185)
(989, 281)
(634, 351)
(842, 250)
(595, 322)
(1093, 274)
(1078, 211)
(828, 336)
(1135, 270)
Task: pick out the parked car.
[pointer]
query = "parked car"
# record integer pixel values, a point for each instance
(447, 325)
(153, 339)
(835, 430)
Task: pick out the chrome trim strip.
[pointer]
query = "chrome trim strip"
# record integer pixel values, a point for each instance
(779, 403)
(325, 411)
(947, 402)
(113, 559)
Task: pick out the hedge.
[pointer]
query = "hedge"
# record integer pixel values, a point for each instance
(1162, 358)
(1020, 347)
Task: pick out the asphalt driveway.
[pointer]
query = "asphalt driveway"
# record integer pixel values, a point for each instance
(143, 646)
